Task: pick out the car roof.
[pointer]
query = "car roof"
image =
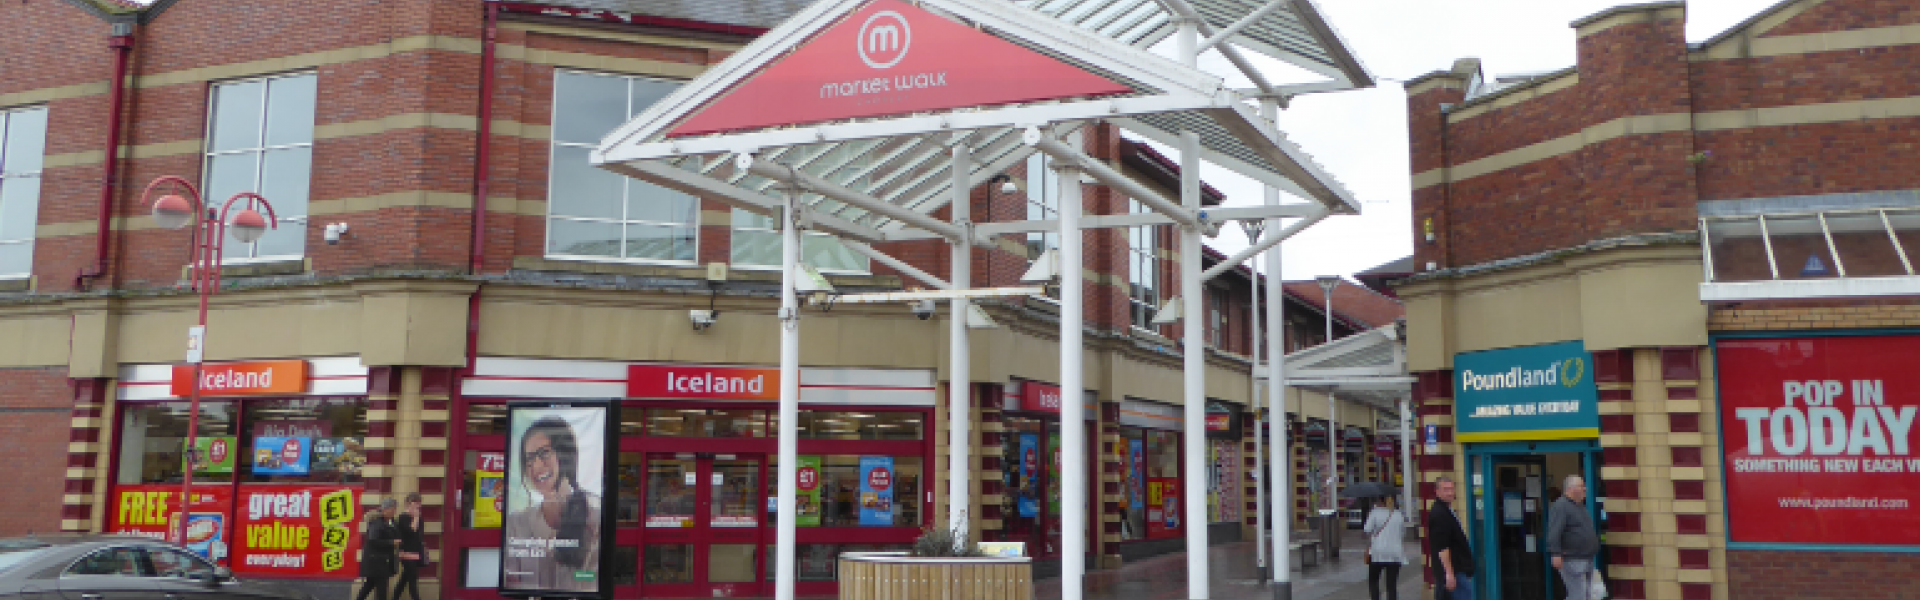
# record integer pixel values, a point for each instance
(73, 540)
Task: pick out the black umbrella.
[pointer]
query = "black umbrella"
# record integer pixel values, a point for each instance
(1369, 489)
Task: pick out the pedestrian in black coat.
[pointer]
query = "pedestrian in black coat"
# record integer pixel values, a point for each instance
(413, 550)
(378, 546)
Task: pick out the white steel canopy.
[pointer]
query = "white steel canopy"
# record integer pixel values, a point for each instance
(901, 158)
(772, 130)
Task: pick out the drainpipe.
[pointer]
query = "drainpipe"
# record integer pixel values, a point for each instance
(122, 45)
(482, 171)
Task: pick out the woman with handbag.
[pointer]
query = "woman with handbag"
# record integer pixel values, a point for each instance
(1386, 529)
(377, 547)
(413, 552)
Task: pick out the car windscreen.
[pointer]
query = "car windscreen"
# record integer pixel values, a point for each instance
(12, 558)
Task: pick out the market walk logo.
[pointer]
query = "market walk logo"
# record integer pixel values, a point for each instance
(1569, 373)
(884, 39)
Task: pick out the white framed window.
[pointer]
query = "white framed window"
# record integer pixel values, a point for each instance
(23, 145)
(1143, 270)
(260, 139)
(756, 241)
(1043, 202)
(595, 214)
(1216, 317)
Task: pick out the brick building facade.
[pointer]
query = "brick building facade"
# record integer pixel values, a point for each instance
(407, 318)
(1570, 206)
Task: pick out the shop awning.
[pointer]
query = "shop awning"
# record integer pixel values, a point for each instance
(1368, 368)
(1822, 246)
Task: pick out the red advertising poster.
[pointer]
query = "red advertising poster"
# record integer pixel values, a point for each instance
(1164, 517)
(1819, 438)
(154, 511)
(297, 531)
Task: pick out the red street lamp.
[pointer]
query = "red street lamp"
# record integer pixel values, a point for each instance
(180, 208)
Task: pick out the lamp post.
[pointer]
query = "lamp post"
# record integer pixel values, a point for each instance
(179, 208)
(1327, 283)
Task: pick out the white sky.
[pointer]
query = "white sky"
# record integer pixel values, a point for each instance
(1361, 136)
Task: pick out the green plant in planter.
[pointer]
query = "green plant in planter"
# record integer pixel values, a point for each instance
(944, 543)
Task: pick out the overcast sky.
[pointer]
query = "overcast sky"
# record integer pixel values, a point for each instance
(1361, 136)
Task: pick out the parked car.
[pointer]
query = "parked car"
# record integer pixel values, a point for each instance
(104, 567)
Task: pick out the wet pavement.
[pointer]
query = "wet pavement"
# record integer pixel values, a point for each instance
(1234, 576)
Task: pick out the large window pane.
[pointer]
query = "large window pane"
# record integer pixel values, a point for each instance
(581, 190)
(290, 110)
(26, 143)
(19, 208)
(303, 440)
(649, 202)
(583, 238)
(16, 259)
(659, 242)
(236, 115)
(828, 254)
(153, 439)
(646, 92)
(229, 174)
(587, 107)
(756, 247)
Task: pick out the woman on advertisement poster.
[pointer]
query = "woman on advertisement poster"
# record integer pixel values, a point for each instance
(553, 541)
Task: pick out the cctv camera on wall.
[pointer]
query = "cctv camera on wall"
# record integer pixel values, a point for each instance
(923, 309)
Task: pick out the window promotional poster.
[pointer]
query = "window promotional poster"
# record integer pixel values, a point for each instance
(1027, 492)
(489, 491)
(556, 479)
(276, 455)
(1820, 439)
(311, 531)
(876, 490)
(153, 511)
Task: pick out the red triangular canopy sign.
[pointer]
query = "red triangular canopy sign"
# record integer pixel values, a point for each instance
(892, 58)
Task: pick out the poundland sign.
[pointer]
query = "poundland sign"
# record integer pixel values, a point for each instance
(1530, 393)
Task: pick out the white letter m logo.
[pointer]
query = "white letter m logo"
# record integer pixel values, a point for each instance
(884, 39)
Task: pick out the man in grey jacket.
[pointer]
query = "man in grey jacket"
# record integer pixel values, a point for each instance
(1571, 539)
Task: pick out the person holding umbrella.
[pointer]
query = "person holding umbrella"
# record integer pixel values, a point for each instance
(1386, 529)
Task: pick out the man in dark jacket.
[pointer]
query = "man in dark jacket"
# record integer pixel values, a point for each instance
(1452, 553)
(1571, 539)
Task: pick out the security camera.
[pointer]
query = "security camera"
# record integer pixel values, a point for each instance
(703, 319)
(923, 309)
(333, 233)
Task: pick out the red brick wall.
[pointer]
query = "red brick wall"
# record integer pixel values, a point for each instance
(1758, 575)
(1836, 15)
(1643, 183)
(35, 416)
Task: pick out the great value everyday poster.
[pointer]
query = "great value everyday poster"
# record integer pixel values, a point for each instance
(301, 531)
(876, 490)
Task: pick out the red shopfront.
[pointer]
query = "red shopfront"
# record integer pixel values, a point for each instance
(1031, 469)
(277, 454)
(696, 469)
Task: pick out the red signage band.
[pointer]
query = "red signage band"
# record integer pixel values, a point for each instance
(1822, 439)
(713, 383)
(242, 379)
(1040, 397)
(892, 58)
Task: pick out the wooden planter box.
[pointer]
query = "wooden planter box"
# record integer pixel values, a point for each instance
(896, 576)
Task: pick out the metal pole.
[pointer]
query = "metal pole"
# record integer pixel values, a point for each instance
(960, 379)
(1334, 471)
(1279, 466)
(1406, 455)
(1195, 351)
(1253, 400)
(789, 398)
(1073, 408)
(203, 247)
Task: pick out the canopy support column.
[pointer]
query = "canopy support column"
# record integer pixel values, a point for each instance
(1406, 454)
(960, 382)
(789, 441)
(1279, 471)
(1193, 324)
(1073, 407)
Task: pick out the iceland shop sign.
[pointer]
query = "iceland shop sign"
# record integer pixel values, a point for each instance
(1819, 439)
(1541, 392)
